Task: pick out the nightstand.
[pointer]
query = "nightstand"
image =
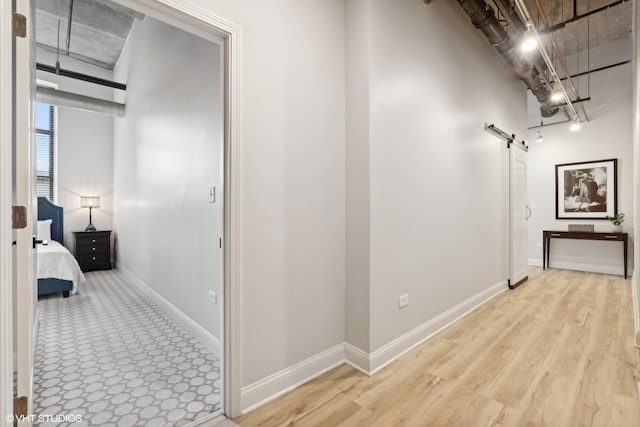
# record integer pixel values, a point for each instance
(92, 249)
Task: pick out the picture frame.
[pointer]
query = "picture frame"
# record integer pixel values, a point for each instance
(587, 190)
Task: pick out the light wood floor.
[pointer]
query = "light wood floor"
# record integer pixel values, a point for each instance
(557, 351)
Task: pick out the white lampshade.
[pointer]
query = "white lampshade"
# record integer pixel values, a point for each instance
(90, 202)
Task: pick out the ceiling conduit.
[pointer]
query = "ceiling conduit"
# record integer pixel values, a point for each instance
(484, 18)
(79, 102)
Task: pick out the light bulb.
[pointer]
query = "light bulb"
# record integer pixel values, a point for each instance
(575, 126)
(529, 42)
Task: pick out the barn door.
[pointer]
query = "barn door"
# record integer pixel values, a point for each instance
(519, 214)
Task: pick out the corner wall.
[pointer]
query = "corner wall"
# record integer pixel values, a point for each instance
(357, 327)
(85, 148)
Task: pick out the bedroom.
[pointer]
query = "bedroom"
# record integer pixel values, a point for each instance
(152, 170)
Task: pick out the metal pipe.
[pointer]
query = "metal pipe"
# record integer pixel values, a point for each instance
(561, 60)
(483, 17)
(80, 76)
(79, 102)
(69, 25)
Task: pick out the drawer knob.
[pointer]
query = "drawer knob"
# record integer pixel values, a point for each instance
(93, 249)
(93, 241)
(94, 258)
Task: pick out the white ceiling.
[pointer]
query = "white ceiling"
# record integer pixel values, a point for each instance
(99, 29)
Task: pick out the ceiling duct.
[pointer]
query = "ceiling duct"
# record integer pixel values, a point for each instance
(484, 18)
(79, 102)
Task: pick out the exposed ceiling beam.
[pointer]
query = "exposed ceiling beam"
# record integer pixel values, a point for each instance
(561, 25)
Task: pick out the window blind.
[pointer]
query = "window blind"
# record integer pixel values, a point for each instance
(45, 150)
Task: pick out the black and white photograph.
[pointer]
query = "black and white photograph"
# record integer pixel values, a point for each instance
(586, 190)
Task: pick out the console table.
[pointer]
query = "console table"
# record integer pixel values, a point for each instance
(581, 235)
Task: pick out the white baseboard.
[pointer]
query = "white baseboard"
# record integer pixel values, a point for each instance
(273, 386)
(401, 345)
(357, 358)
(199, 333)
(591, 268)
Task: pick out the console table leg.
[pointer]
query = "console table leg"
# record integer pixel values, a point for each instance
(625, 258)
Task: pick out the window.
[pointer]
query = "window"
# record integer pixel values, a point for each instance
(45, 150)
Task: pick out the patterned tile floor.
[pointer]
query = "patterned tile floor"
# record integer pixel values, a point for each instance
(111, 355)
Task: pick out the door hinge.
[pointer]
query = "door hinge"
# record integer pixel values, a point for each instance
(20, 409)
(19, 25)
(18, 217)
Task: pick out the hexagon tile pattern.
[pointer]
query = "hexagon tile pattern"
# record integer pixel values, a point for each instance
(110, 354)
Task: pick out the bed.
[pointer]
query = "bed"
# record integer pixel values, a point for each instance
(58, 270)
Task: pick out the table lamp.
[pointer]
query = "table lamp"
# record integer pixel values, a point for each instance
(90, 202)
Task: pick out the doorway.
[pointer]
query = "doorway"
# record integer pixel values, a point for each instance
(207, 23)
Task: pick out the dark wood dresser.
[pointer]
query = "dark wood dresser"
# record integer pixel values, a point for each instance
(92, 249)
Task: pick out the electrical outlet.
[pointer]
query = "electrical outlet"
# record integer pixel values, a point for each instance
(213, 297)
(404, 300)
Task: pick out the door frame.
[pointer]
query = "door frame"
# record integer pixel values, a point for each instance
(190, 18)
(184, 15)
(6, 248)
(195, 20)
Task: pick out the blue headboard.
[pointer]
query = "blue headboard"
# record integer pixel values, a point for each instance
(47, 210)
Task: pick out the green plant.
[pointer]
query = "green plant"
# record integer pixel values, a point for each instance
(616, 220)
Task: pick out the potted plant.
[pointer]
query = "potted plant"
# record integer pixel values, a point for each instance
(617, 221)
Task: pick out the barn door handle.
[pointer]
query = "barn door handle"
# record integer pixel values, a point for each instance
(528, 212)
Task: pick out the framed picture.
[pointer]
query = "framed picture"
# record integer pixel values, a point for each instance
(586, 190)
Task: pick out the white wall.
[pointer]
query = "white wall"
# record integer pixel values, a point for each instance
(607, 135)
(437, 180)
(85, 148)
(293, 185)
(167, 154)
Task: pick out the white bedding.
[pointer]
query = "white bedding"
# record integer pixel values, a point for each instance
(55, 261)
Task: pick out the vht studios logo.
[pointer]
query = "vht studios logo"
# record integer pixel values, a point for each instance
(46, 418)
